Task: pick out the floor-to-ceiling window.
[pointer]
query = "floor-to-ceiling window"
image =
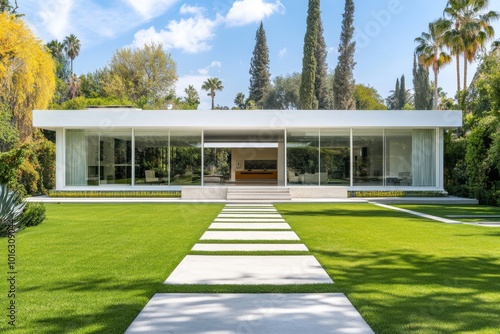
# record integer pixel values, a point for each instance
(303, 157)
(151, 158)
(368, 153)
(82, 158)
(185, 158)
(424, 158)
(335, 157)
(116, 157)
(398, 157)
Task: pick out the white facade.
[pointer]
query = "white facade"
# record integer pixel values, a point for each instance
(360, 150)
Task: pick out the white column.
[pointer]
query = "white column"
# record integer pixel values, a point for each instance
(60, 159)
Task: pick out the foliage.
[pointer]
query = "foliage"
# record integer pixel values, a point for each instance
(455, 178)
(27, 79)
(82, 103)
(284, 94)
(430, 51)
(145, 76)
(259, 68)
(33, 215)
(11, 210)
(397, 193)
(192, 99)
(421, 86)
(115, 194)
(72, 47)
(9, 135)
(6, 6)
(367, 98)
(61, 59)
(239, 101)
(343, 79)
(10, 163)
(400, 97)
(309, 63)
(211, 85)
(322, 87)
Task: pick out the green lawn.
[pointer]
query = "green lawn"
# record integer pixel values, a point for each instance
(91, 268)
(462, 210)
(403, 273)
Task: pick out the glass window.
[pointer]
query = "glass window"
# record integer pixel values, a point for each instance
(424, 158)
(185, 158)
(151, 158)
(398, 157)
(116, 157)
(368, 157)
(303, 157)
(82, 158)
(335, 158)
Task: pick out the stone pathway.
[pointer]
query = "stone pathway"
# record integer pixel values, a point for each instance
(249, 228)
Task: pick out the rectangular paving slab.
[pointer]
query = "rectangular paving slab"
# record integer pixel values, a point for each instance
(249, 215)
(250, 226)
(249, 235)
(249, 210)
(248, 270)
(318, 313)
(227, 220)
(249, 247)
(249, 205)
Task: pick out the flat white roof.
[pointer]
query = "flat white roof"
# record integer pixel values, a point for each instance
(245, 119)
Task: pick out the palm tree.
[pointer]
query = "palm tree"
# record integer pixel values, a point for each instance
(430, 51)
(56, 48)
(211, 85)
(472, 29)
(239, 100)
(72, 47)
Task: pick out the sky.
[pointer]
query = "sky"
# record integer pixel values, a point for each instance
(216, 38)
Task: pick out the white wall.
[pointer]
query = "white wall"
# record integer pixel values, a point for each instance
(242, 154)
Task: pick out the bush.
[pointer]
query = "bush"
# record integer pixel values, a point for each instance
(115, 194)
(33, 215)
(397, 193)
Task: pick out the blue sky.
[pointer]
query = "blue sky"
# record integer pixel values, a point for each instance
(216, 38)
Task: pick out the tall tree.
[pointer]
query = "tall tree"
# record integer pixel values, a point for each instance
(145, 75)
(5, 6)
(239, 101)
(27, 79)
(430, 52)
(343, 79)
(367, 98)
(421, 86)
(321, 86)
(192, 97)
(285, 93)
(472, 29)
(402, 97)
(72, 47)
(259, 68)
(56, 48)
(211, 85)
(309, 63)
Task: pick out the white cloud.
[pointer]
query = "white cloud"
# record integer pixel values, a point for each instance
(186, 9)
(150, 8)
(190, 35)
(282, 53)
(53, 18)
(205, 70)
(244, 12)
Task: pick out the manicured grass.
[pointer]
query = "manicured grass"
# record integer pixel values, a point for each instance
(444, 210)
(91, 268)
(403, 273)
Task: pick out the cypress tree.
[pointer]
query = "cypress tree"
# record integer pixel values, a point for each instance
(321, 86)
(392, 100)
(343, 79)
(401, 97)
(309, 64)
(421, 86)
(259, 68)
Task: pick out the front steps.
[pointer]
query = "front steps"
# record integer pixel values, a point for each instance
(258, 194)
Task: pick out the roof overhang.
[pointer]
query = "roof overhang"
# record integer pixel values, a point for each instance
(244, 119)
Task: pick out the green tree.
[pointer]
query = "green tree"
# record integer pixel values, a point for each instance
(192, 98)
(343, 80)
(285, 93)
(421, 86)
(211, 85)
(392, 99)
(5, 6)
(367, 98)
(72, 47)
(92, 84)
(402, 94)
(145, 76)
(239, 101)
(322, 89)
(470, 29)
(56, 48)
(259, 68)
(309, 63)
(430, 51)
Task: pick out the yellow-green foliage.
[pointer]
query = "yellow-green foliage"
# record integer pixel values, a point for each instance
(27, 72)
(397, 193)
(115, 194)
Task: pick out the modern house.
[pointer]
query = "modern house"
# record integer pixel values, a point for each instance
(319, 153)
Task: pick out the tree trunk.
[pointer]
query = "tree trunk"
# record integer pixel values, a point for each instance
(436, 70)
(458, 73)
(465, 74)
(213, 98)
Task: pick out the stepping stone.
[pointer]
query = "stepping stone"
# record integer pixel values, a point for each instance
(249, 215)
(249, 210)
(249, 235)
(251, 226)
(249, 247)
(248, 270)
(248, 220)
(250, 205)
(297, 313)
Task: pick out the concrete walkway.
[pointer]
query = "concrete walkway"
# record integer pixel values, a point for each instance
(246, 224)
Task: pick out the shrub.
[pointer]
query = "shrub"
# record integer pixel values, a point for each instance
(115, 194)
(397, 193)
(33, 215)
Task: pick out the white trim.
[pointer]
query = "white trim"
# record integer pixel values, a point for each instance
(352, 159)
(202, 176)
(132, 160)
